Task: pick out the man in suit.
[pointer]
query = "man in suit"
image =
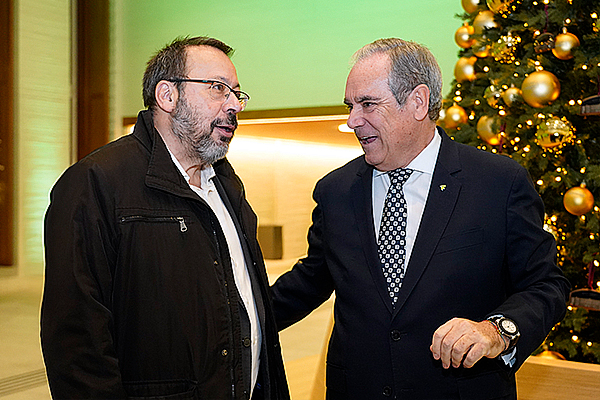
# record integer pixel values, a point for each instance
(155, 285)
(444, 278)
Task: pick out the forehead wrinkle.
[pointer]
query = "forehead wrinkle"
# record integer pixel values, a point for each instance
(360, 99)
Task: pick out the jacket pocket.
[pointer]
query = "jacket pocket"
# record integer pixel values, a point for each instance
(158, 390)
(460, 240)
(335, 378)
(179, 219)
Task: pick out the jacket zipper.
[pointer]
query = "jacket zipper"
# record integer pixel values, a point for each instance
(182, 226)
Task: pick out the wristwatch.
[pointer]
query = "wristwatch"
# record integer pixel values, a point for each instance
(508, 329)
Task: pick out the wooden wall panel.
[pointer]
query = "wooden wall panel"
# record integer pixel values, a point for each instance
(6, 134)
(92, 75)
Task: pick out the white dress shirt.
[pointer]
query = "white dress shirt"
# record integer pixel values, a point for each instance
(416, 190)
(208, 192)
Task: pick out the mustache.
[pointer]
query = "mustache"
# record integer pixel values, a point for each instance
(230, 120)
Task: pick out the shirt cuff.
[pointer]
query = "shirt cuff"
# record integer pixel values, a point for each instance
(510, 358)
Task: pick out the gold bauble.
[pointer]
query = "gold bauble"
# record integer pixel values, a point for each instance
(540, 88)
(512, 96)
(462, 37)
(564, 44)
(470, 6)
(483, 20)
(553, 132)
(503, 49)
(486, 129)
(492, 94)
(481, 50)
(455, 115)
(498, 6)
(578, 200)
(464, 70)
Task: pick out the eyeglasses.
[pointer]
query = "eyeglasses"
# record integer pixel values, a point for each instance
(218, 90)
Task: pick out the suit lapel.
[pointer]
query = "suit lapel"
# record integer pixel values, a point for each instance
(441, 201)
(363, 211)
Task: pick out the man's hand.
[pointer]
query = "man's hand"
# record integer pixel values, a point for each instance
(462, 341)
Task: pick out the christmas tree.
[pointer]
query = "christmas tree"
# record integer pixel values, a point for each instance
(527, 85)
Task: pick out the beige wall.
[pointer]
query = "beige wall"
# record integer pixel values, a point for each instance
(43, 145)
(279, 176)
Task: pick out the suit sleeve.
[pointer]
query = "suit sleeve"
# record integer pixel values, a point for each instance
(538, 289)
(77, 334)
(309, 284)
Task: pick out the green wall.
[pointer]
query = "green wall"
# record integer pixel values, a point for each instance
(288, 53)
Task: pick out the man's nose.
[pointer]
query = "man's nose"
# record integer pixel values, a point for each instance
(354, 119)
(232, 104)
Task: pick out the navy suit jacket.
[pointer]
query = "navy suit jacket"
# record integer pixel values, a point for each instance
(480, 250)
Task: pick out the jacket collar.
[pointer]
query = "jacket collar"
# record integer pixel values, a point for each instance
(441, 200)
(163, 174)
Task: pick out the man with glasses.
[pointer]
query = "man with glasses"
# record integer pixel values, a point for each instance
(155, 284)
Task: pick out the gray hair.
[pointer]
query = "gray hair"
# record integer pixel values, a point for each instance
(412, 64)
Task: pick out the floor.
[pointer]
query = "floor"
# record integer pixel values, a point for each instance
(22, 375)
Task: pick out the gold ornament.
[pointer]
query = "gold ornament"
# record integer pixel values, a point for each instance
(553, 132)
(578, 200)
(503, 50)
(464, 70)
(484, 20)
(512, 96)
(540, 88)
(544, 43)
(481, 50)
(498, 6)
(455, 115)
(470, 5)
(486, 129)
(564, 45)
(492, 94)
(462, 37)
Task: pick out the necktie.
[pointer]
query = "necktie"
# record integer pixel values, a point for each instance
(392, 232)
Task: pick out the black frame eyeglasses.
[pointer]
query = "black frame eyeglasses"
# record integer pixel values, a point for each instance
(218, 90)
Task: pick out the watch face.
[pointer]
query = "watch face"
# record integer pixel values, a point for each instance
(508, 326)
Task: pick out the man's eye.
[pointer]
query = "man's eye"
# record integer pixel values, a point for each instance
(219, 87)
(368, 104)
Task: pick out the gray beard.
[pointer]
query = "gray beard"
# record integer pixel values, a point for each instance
(196, 137)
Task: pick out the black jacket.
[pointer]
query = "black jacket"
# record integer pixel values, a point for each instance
(139, 296)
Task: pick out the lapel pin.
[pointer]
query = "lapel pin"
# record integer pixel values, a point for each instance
(442, 187)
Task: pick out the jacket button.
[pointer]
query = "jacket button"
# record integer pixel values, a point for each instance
(387, 391)
(395, 334)
(247, 342)
(224, 352)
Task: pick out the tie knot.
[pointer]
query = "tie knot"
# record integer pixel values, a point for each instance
(399, 176)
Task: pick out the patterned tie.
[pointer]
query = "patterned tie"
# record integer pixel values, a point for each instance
(392, 233)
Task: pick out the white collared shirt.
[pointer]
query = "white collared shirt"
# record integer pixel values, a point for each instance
(415, 189)
(208, 192)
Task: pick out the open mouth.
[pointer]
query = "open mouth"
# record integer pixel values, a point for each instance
(366, 139)
(226, 128)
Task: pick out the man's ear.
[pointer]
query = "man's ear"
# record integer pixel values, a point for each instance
(420, 98)
(166, 95)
